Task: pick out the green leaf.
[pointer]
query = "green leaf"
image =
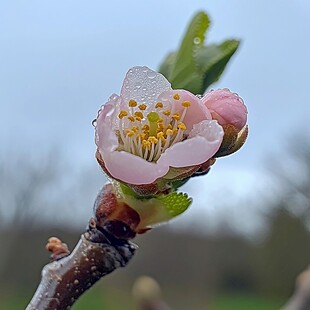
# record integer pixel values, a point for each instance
(167, 65)
(193, 66)
(212, 60)
(183, 73)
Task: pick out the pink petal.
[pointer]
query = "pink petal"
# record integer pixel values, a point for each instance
(203, 142)
(143, 85)
(133, 169)
(197, 111)
(122, 165)
(226, 107)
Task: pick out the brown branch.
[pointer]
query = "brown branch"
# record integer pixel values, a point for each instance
(66, 279)
(301, 297)
(104, 247)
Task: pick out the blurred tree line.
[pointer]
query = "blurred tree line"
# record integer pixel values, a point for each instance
(199, 265)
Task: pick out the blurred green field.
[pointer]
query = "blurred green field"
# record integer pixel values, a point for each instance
(111, 299)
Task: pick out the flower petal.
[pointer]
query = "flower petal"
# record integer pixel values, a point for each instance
(195, 113)
(203, 142)
(143, 85)
(226, 107)
(133, 169)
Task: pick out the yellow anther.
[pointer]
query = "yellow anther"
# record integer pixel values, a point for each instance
(176, 96)
(130, 133)
(139, 114)
(131, 118)
(132, 103)
(169, 132)
(186, 104)
(159, 105)
(160, 126)
(160, 120)
(176, 116)
(142, 107)
(135, 128)
(145, 127)
(169, 126)
(167, 112)
(181, 126)
(146, 144)
(122, 114)
(160, 135)
(153, 140)
(141, 136)
(139, 119)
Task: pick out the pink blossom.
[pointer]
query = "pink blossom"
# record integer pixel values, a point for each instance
(149, 128)
(226, 107)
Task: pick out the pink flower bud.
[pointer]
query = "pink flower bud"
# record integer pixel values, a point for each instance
(226, 107)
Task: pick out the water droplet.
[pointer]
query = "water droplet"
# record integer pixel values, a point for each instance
(151, 74)
(138, 85)
(94, 122)
(76, 282)
(93, 268)
(199, 96)
(197, 40)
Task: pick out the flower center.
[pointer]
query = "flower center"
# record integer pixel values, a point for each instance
(148, 135)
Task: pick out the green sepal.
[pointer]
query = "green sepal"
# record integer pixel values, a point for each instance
(175, 203)
(157, 209)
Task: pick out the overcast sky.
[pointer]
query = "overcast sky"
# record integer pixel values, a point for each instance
(60, 60)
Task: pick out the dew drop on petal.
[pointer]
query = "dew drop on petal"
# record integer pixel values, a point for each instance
(94, 122)
(151, 74)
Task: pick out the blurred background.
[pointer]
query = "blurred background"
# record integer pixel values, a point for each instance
(246, 236)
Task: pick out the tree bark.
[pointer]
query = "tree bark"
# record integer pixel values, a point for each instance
(65, 279)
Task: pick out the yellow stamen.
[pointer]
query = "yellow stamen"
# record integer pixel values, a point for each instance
(146, 144)
(176, 96)
(169, 126)
(139, 119)
(141, 135)
(132, 103)
(139, 114)
(160, 126)
(153, 140)
(142, 107)
(135, 128)
(169, 132)
(131, 118)
(160, 135)
(130, 133)
(159, 105)
(145, 127)
(181, 126)
(186, 104)
(122, 114)
(176, 116)
(167, 112)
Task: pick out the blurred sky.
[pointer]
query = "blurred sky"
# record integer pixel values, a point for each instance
(60, 60)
